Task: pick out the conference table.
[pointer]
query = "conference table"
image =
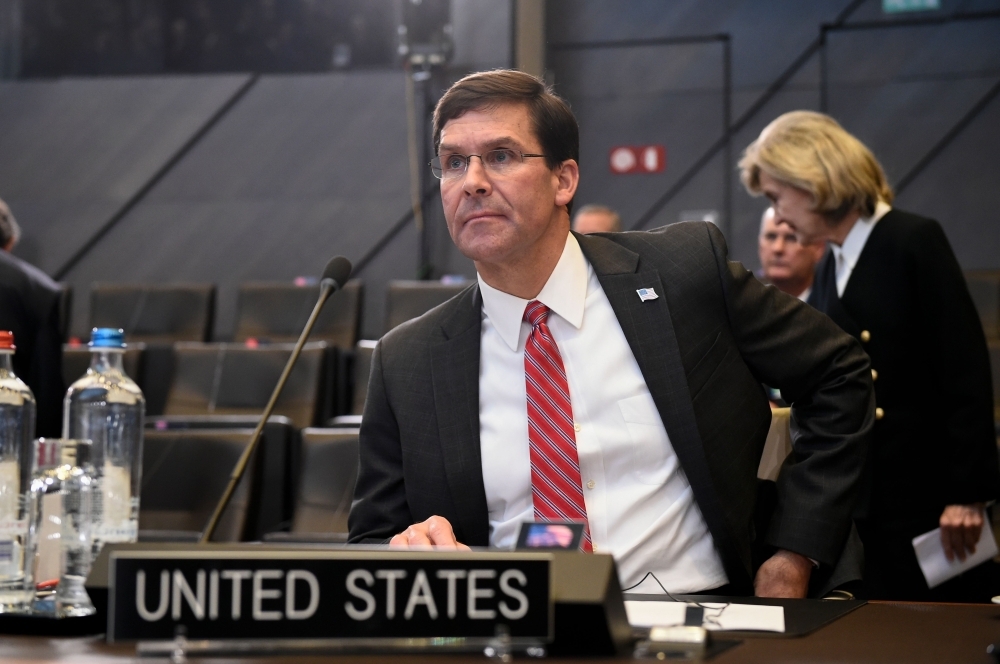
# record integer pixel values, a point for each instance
(876, 632)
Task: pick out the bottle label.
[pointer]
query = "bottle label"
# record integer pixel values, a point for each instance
(118, 395)
(122, 531)
(10, 491)
(116, 493)
(11, 528)
(12, 536)
(10, 560)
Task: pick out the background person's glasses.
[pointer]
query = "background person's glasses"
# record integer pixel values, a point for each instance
(450, 166)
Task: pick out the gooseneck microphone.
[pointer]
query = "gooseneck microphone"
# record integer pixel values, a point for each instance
(335, 275)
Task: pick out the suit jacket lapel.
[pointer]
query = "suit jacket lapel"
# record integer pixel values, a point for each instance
(455, 382)
(824, 295)
(649, 330)
(865, 273)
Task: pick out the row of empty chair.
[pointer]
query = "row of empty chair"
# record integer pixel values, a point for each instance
(157, 314)
(271, 311)
(299, 485)
(181, 373)
(193, 378)
(277, 311)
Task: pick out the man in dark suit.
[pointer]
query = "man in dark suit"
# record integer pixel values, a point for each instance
(29, 307)
(612, 379)
(891, 280)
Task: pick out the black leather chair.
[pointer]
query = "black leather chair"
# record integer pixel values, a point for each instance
(275, 474)
(155, 313)
(984, 286)
(184, 473)
(277, 312)
(234, 379)
(408, 299)
(328, 471)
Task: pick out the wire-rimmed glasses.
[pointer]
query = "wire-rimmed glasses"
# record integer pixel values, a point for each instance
(499, 162)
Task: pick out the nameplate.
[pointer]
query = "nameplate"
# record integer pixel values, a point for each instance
(272, 595)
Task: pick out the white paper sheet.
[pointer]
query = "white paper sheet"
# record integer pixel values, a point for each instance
(937, 568)
(743, 617)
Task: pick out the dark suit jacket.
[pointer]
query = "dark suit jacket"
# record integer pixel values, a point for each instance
(29, 307)
(935, 443)
(704, 348)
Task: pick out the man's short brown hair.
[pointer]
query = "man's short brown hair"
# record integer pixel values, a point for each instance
(812, 152)
(555, 126)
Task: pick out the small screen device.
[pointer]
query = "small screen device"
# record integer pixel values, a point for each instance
(561, 535)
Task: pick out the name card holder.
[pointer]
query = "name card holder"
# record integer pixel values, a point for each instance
(243, 599)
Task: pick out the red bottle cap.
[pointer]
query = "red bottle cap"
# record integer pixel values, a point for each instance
(7, 340)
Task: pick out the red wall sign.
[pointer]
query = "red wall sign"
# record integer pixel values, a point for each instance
(637, 159)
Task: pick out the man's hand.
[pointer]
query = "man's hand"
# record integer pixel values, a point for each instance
(434, 532)
(961, 527)
(785, 574)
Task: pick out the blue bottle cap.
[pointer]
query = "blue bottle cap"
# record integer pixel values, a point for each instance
(107, 337)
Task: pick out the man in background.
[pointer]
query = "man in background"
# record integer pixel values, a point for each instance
(786, 261)
(29, 307)
(596, 219)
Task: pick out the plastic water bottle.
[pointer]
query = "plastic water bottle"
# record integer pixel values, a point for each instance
(107, 407)
(17, 429)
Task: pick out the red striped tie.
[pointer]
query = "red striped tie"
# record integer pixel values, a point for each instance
(555, 467)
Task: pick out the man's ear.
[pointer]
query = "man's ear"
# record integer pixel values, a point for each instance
(567, 177)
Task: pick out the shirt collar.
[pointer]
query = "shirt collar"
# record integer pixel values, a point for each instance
(850, 251)
(565, 293)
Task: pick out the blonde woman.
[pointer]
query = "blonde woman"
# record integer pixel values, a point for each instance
(891, 280)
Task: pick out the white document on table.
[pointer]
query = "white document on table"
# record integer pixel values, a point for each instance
(718, 616)
(937, 568)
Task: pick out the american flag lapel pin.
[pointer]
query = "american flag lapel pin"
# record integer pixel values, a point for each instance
(647, 294)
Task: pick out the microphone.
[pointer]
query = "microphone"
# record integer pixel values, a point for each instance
(335, 275)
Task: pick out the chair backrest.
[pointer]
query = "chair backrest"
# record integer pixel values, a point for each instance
(777, 446)
(184, 473)
(277, 311)
(408, 299)
(76, 361)
(328, 471)
(274, 477)
(154, 312)
(233, 379)
(362, 369)
(984, 286)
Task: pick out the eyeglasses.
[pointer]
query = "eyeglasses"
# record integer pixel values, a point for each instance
(498, 162)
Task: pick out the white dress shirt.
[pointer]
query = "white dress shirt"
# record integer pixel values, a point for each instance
(804, 295)
(640, 505)
(848, 253)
